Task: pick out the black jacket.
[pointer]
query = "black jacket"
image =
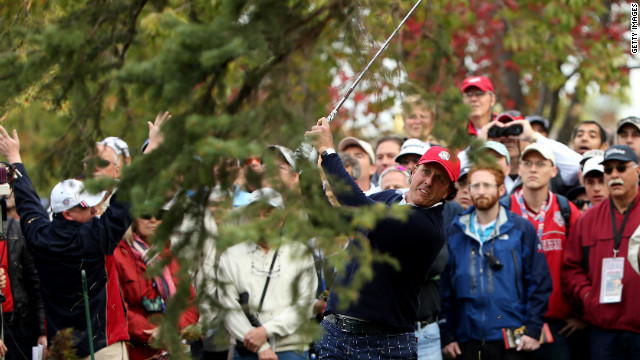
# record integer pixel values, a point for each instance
(25, 285)
(63, 248)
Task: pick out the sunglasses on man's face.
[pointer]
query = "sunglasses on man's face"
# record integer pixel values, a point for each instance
(581, 203)
(96, 162)
(157, 216)
(608, 169)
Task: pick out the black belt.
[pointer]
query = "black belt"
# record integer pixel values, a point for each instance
(423, 323)
(358, 326)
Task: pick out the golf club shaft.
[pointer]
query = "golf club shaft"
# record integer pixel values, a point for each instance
(334, 112)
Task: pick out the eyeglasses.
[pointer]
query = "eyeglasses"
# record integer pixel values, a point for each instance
(539, 164)
(476, 93)
(581, 203)
(620, 167)
(477, 186)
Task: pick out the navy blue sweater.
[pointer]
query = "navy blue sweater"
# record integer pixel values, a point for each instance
(392, 297)
(61, 249)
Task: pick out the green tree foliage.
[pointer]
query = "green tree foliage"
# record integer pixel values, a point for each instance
(529, 49)
(238, 75)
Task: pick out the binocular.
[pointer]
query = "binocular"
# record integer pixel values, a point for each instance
(497, 131)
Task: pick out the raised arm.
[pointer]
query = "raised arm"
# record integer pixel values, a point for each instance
(10, 146)
(322, 139)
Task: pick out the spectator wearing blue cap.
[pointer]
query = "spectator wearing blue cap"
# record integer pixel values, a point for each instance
(596, 269)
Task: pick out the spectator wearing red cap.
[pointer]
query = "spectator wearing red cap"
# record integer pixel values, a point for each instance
(478, 94)
(387, 307)
(511, 129)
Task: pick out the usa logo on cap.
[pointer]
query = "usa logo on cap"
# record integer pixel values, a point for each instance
(444, 155)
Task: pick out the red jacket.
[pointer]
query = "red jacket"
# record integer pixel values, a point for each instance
(135, 284)
(554, 239)
(592, 236)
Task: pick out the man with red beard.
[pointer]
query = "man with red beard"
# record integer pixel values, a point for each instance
(536, 203)
(496, 277)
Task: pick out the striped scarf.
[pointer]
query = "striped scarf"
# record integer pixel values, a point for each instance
(164, 282)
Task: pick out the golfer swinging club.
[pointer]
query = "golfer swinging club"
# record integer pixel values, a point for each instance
(380, 324)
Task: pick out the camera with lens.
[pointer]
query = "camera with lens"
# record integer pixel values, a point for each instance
(8, 173)
(497, 131)
(154, 305)
(493, 261)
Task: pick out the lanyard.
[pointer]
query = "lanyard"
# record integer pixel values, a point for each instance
(540, 216)
(617, 236)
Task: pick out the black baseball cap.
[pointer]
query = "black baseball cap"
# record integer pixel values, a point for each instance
(621, 153)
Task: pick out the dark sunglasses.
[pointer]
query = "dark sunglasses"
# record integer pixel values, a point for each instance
(620, 167)
(158, 216)
(405, 160)
(581, 203)
(96, 162)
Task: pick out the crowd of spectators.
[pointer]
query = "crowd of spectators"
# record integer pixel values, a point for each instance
(540, 259)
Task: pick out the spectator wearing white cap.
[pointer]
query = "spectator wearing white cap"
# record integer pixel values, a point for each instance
(628, 131)
(112, 154)
(552, 216)
(364, 154)
(119, 146)
(75, 240)
(411, 152)
(593, 180)
(589, 154)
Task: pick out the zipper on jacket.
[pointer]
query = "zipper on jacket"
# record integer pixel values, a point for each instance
(472, 270)
(515, 261)
(490, 277)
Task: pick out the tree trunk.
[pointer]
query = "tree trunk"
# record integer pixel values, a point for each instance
(570, 120)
